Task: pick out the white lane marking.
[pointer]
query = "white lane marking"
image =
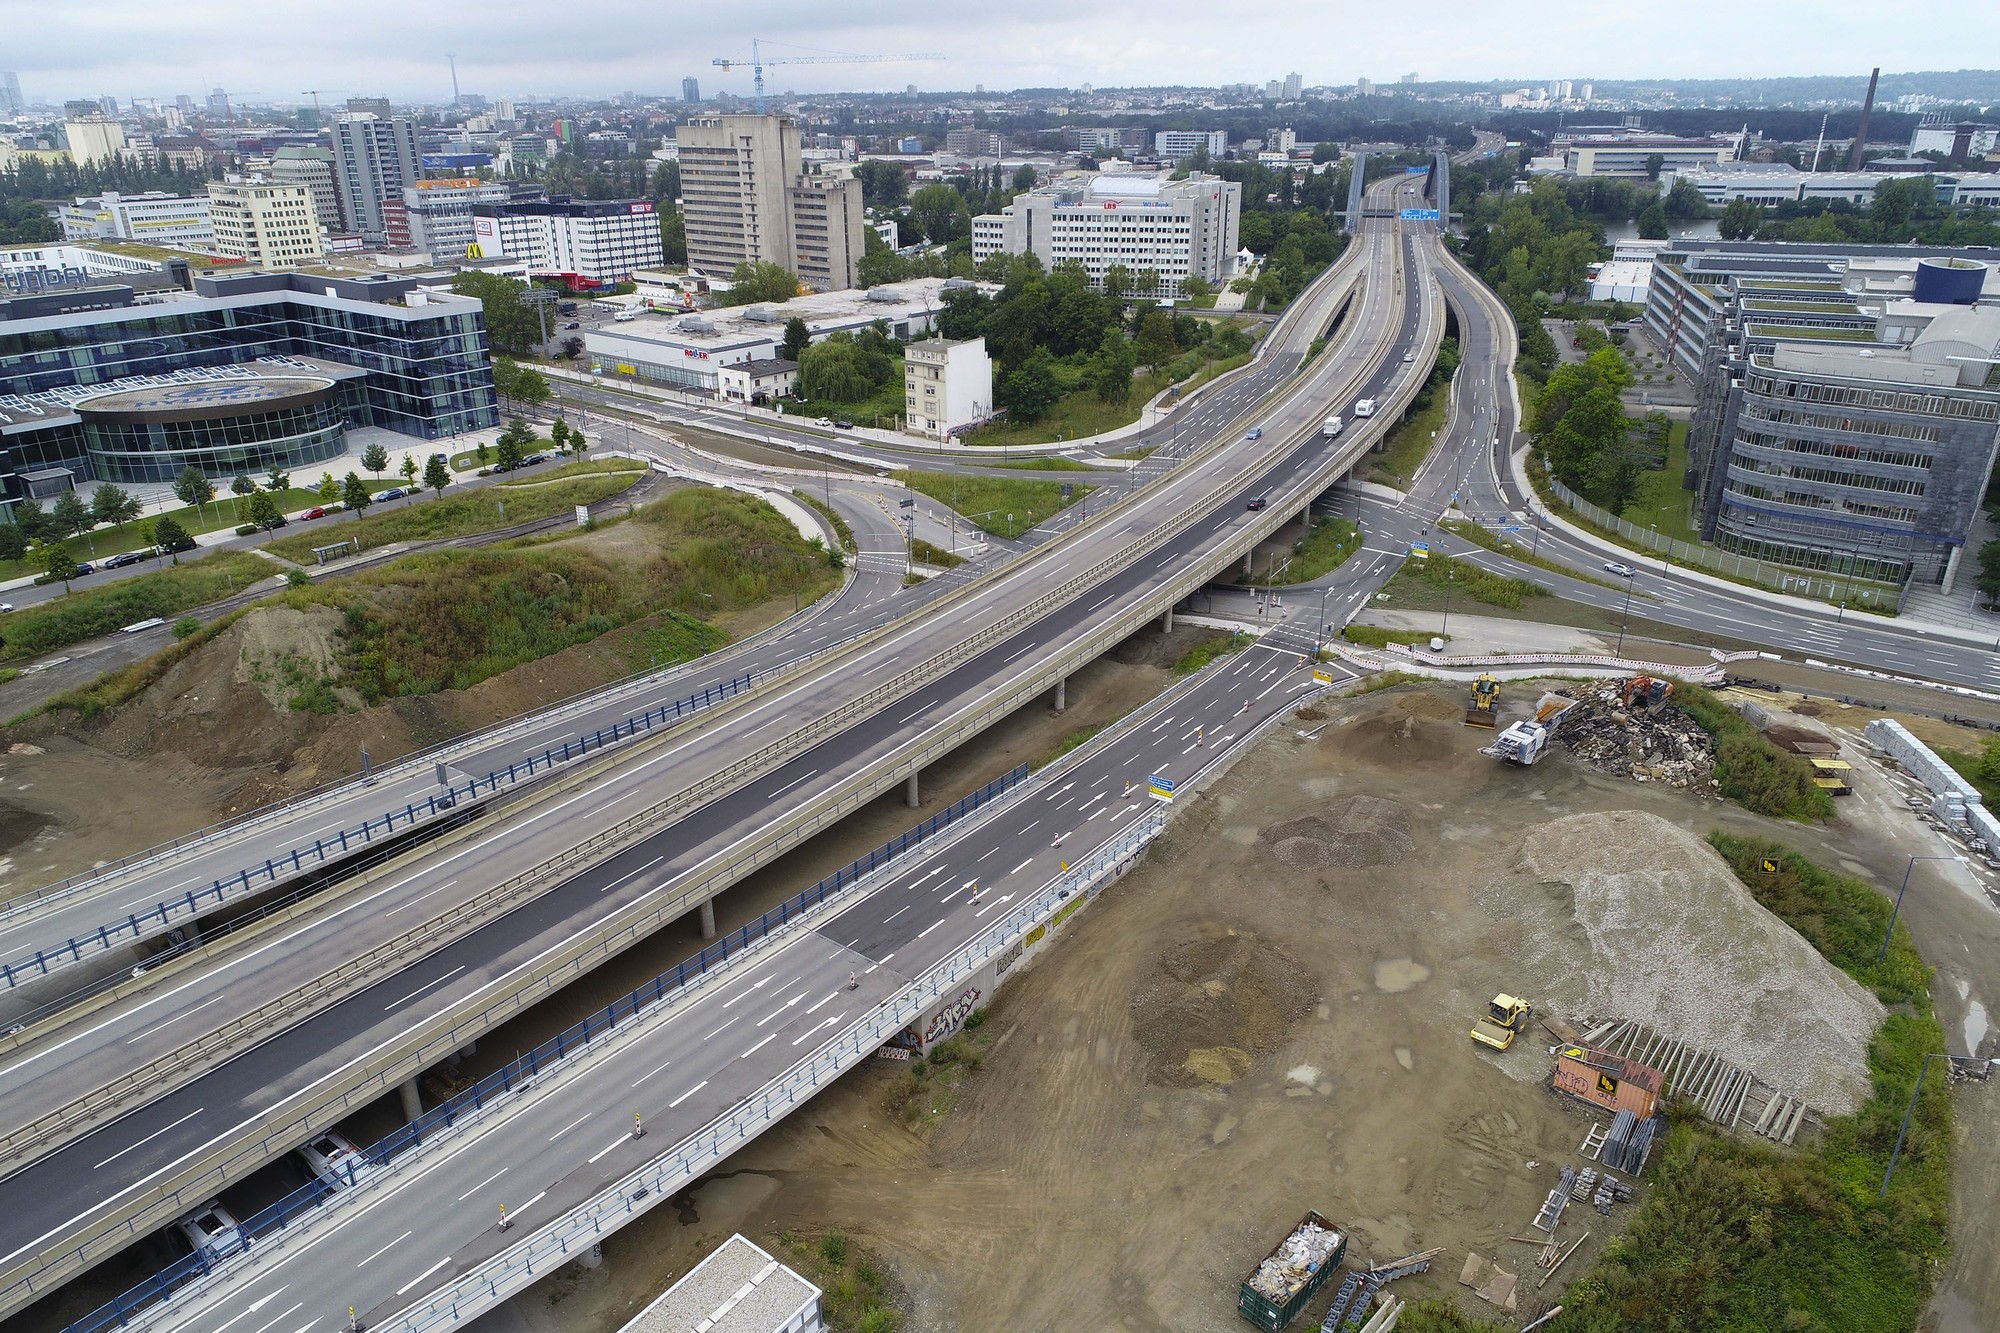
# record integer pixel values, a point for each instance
(1029, 648)
(420, 897)
(996, 850)
(531, 1203)
(789, 785)
(781, 1009)
(683, 1097)
(723, 1026)
(281, 1318)
(649, 1073)
(386, 1248)
(1192, 748)
(255, 1306)
(831, 1022)
(898, 912)
(1031, 827)
(640, 871)
(571, 1125)
(175, 1019)
(928, 929)
(411, 1285)
(149, 1138)
(482, 1184)
(829, 998)
(429, 985)
(1023, 866)
(756, 986)
(606, 1152)
(758, 1047)
(990, 906)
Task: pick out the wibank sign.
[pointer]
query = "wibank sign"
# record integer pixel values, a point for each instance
(29, 279)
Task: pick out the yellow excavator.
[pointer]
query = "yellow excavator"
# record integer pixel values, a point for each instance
(1479, 708)
(1504, 1020)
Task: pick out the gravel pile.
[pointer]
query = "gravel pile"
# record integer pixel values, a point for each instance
(1357, 832)
(1625, 915)
(1667, 746)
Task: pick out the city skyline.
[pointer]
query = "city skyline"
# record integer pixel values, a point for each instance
(127, 49)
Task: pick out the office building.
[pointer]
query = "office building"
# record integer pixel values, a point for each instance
(687, 351)
(267, 224)
(94, 140)
(947, 386)
(1960, 140)
(690, 90)
(974, 143)
(439, 212)
(253, 369)
(1769, 183)
(1174, 229)
(585, 243)
(218, 107)
(1860, 453)
(1633, 154)
(30, 269)
(738, 1289)
(375, 160)
(155, 218)
(377, 107)
(748, 196)
(1175, 145)
(11, 101)
(312, 168)
(1364, 87)
(1295, 87)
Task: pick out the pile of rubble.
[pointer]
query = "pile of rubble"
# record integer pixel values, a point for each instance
(1665, 745)
(1297, 1257)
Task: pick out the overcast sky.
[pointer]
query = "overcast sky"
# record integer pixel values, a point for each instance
(275, 49)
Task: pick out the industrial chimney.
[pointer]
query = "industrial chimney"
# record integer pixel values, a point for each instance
(1861, 131)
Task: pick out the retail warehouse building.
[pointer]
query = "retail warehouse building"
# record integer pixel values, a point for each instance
(250, 371)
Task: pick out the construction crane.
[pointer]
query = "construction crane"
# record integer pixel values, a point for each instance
(756, 62)
(314, 94)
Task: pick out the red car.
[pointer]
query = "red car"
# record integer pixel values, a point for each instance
(317, 511)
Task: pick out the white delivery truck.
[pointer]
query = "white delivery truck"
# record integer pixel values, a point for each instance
(1365, 408)
(1330, 427)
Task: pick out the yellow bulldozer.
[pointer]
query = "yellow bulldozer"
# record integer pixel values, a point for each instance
(1479, 708)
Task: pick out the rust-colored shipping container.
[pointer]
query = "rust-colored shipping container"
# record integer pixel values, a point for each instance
(1607, 1080)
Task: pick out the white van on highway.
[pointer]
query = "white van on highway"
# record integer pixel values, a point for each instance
(1330, 427)
(1365, 408)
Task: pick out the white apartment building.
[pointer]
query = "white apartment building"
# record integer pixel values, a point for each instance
(267, 224)
(947, 386)
(312, 168)
(585, 241)
(94, 140)
(748, 196)
(1173, 145)
(1175, 229)
(440, 211)
(155, 218)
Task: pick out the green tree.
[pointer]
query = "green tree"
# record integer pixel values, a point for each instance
(409, 470)
(1653, 223)
(835, 370)
(940, 213)
(375, 458)
(113, 504)
(264, 511)
(797, 337)
(1031, 390)
(1117, 281)
(578, 443)
(1155, 339)
(513, 444)
(239, 486)
(1655, 162)
(193, 488)
(673, 236)
(1685, 202)
(28, 514)
(1740, 220)
(170, 536)
(1111, 370)
(277, 480)
(511, 323)
(71, 515)
(761, 282)
(531, 388)
(559, 435)
(328, 490)
(56, 562)
(437, 473)
(354, 494)
(13, 542)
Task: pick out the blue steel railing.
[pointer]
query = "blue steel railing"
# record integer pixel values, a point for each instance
(163, 1284)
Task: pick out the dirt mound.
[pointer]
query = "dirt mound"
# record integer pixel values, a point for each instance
(1215, 1004)
(1400, 736)
(1425, 704)
(1356, 832)
(1625, 915)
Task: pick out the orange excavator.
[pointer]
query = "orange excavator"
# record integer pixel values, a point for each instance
(1647, 693)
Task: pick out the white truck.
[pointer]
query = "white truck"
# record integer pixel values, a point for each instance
(1365, 408)
(1330, 427)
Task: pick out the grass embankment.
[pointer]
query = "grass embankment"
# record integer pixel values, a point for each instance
(1001, 505)
(1407, 446)
(831, 515)
(1754, 773)
(1052, 464)
(1377, 636)
(114, 688)
(924, 553)
(486, 509)
(1524, 552)
(1465, 579)
(1659, 501)
(1071, 740)
(1080, 413)
(1199, 656)
(1735, 1234)
(77, 616)
(1320, 551)
(858, 1297)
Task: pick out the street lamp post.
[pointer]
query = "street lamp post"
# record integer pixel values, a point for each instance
(1901, 889)
(1908, 1111)
(1319, 640)
(1445, 628)
(1625, 617)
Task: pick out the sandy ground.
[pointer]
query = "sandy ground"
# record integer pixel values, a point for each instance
(1227, 1039)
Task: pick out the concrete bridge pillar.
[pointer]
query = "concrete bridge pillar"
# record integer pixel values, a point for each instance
(1062, 693)
(1167, 622)
(1248, 556)
(708, 919)
(910, 794)
(413, 1100)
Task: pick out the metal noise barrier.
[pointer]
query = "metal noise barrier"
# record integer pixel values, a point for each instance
(571, 1040)
(340, 843)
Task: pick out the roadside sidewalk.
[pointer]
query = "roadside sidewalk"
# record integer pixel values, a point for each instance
(1903, 624)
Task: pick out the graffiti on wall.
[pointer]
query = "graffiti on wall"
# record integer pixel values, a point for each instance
(946, 1020)
(1008, 959)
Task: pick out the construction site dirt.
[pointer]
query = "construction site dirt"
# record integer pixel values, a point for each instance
(1270, 1014)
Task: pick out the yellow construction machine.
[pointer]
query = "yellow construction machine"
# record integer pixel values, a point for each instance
(1479, 708)
(1505, 1019)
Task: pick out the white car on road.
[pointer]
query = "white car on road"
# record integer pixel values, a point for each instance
(1622, 571)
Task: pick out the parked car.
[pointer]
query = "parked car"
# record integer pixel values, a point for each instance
(335, 1160)
(842, 423)
(124, 558)
(573, 324)
(533, 459)
(1254, 433)
(393, 493)
(6, 606)
(1622, 571)
(822, 421)
(320, 511)
(212, 1229)
(85, 567)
